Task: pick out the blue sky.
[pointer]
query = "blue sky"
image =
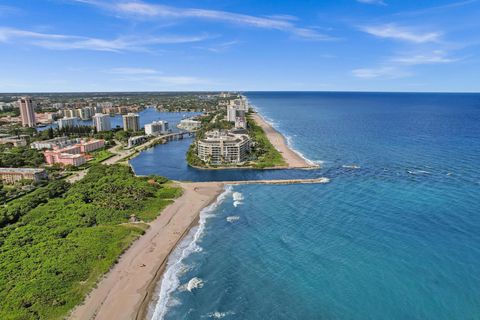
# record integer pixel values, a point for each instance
(153, 45)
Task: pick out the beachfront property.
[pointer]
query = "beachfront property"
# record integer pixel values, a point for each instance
(101, 122)
(27, 111)
(156, 128)
(12, 175)
(67, 122)
(189, 124)
(131, 121)
(224, 147)
(236, 112)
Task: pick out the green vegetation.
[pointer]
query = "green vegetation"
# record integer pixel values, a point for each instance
(66, 237)
(10, 113)
(263, 154)
(100, 156)
(20, 157)
(192, 157)
(266, 154)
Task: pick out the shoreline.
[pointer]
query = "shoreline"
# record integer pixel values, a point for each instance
(279, 142)
(125, 291)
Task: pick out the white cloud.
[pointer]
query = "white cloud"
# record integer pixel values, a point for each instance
(377, 2)
(381, 72)
(71, 42)
(399, 66)
(141, 9)
(395, 32)
(435, 57)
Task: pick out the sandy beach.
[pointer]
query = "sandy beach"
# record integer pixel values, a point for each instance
(125, 290)
(280, 143)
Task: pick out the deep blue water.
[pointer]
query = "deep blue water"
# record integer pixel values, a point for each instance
(397, 238)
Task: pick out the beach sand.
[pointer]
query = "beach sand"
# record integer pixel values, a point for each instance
(292, 159)
(125, 291)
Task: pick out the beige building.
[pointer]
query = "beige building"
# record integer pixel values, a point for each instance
(131, 121)
(12, 175)
(27, 111)
(189, 124)
(224, 147)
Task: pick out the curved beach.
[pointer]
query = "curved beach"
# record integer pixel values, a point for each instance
(293, 159)
(126, 290)
(128, 285)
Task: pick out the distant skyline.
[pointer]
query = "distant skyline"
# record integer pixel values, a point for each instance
(241, 45)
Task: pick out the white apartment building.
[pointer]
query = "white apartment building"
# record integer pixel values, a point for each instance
(224, 147)
(156, 128)
(67, 122)
(102, 122)
(189, 124)
(131, 121)
(85, 113)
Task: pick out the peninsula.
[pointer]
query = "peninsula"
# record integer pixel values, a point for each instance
(235, 136)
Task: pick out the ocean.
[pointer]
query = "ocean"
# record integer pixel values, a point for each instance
(394, 235)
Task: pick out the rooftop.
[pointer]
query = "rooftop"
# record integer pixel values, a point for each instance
(22, 170)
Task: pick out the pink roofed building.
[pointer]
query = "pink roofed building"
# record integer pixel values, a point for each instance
(56, 156)
(72, 155)
(92, 145)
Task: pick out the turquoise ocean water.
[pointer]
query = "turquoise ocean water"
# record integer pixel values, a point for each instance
(394, 235)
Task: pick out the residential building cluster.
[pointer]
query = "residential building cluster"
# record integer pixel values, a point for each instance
(12, 175)
(224, 147)
(236, 112)
(85, 113)
(68, 152)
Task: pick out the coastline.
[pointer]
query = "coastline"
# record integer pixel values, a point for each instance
(125, 291)
(128, 289)
(278, 140)
(292, 158)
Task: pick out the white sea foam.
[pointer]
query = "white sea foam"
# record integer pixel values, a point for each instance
(170, 280)
(237, 203)
(233, 218)
(237, 199)
(220, 315)
(194, 283)
(416, 172)
(237, 196)
(351, 166)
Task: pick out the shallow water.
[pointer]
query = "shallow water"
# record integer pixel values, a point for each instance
(394, 235)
